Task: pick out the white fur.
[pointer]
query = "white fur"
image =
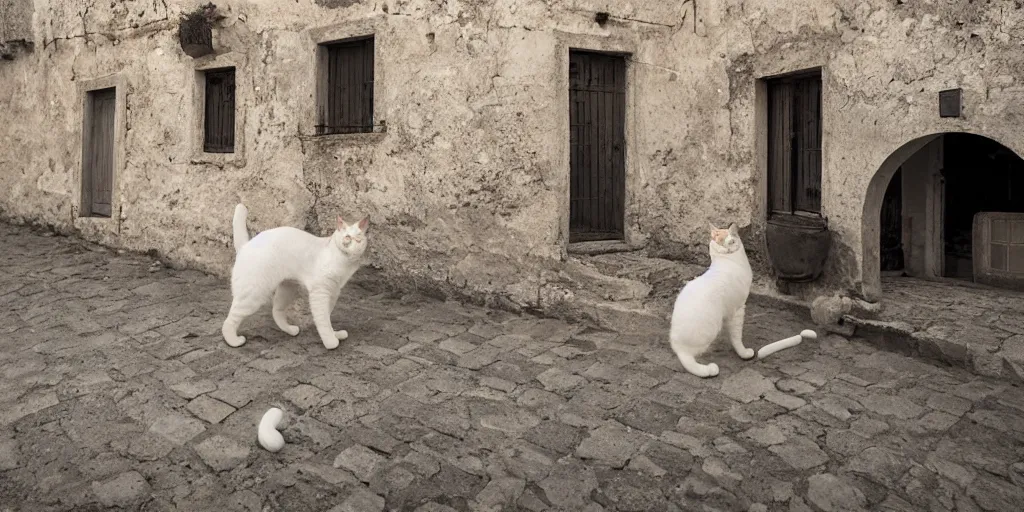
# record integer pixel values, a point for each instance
(267, 433)
(241, 234)
(279, 261)
(791, 341)
(715, 299)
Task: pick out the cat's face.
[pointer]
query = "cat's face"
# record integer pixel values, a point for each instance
(725, 241)
(351, 238)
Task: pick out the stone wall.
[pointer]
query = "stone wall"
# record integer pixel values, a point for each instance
(469, 184)
(15, 27)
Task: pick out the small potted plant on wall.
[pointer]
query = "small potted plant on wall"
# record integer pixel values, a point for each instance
(195, 32)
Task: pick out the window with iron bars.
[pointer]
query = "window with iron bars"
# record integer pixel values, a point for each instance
(346, 99)
(219, 111)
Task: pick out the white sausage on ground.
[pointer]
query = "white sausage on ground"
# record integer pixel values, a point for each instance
(268, 435)
(791, 341)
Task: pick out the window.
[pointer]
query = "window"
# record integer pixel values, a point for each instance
(794, 144)
(219, 111)
(346, 99)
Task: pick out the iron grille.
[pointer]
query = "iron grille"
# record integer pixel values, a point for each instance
(219, 119)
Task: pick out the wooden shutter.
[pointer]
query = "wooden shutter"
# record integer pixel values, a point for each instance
(794, 144)
(98, 158)
(807, 175)
(349, 89)
(219, 113)
(780, 150)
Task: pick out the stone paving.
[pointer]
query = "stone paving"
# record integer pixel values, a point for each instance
(116, 391)
(968, 325)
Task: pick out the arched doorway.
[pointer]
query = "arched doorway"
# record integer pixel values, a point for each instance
(921, 213)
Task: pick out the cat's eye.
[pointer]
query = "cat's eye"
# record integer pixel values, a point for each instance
(348, 238)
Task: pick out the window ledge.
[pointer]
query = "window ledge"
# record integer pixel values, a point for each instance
(593, 248)
(219, 159)
(347, 139)
(799, 220)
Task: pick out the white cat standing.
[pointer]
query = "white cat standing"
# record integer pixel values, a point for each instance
(715, 299)
(280, 260)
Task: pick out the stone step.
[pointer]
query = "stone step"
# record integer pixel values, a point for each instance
(629, 291)
(904, 338)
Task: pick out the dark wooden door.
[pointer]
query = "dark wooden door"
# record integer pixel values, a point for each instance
(98, 172)
(597, 146)
(794, 144)
(891, 242)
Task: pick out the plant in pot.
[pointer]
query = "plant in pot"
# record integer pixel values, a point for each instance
(195, 31)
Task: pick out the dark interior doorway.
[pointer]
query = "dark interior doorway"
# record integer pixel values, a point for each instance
(597, 146)
(981, 175)
(891, 226)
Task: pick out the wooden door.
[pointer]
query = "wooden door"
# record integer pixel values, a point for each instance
(98, 157)
(794, 144)
(597, 146)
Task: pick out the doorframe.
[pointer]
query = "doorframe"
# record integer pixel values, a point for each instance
(625, 45)
(119, 84)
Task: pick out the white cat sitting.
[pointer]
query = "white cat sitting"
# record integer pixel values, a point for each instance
(280, 260)
(714, 299)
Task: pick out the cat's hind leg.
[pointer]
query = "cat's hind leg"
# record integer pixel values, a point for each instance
(283, 298)
(241, 308)
(734, 325)
(685, 351)
(701, 370)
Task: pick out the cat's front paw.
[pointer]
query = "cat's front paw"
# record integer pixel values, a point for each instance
(342, 335)
(748, 353)
(292, 330)
(712, 370)
(238, 342)
(331, 344)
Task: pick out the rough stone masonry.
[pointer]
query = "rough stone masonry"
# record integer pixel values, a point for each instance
(467, 181)
(117, 392)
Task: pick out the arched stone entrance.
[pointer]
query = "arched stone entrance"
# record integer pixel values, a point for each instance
(925, 222)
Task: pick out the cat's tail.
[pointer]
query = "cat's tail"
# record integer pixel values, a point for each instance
(238, 226)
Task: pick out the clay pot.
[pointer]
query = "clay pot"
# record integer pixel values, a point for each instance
(798, 246)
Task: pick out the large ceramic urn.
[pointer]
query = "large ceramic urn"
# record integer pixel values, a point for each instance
(798, 246)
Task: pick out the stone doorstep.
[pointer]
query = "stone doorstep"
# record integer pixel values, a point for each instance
(652, 317)
(902, 338)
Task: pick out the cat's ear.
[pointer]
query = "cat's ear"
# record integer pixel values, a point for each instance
(363, 224)
(733, 229)
(341, 223)
(712, 226)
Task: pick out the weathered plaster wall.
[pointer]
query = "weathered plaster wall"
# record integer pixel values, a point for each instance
(922, 211)
(15, 26)
(469, 185)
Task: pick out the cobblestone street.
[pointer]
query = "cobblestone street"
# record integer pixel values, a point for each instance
(118, 391)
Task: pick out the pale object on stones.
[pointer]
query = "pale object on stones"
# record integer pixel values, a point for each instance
(791, 341)
(268, 435)
(827, 310)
